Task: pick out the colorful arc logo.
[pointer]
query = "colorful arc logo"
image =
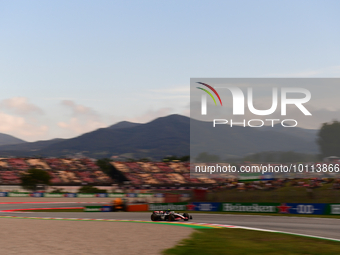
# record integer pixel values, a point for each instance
(213, 90)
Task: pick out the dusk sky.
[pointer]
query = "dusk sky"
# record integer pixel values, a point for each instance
(70, 67)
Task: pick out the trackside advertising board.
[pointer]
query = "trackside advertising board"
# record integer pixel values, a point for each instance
(93, 208)
(86, 195)
(204, 206)
(70, 195)
(333, 209)
(196, 206)
(101, 195)
(116, 195)
(168, 206)
(3, 194)
(53, 195)
(250, 207)
(106, 208)
(15, 194)
(143, 195)
(304, 208)
(36, 194)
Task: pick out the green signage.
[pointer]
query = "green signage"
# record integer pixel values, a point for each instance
(53, 195)
(116, 195)
(93, 208)
(86, 195)
(144, 195)
(14, 194)
(333, 209)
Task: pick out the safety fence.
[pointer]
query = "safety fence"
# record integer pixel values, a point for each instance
(266, 208)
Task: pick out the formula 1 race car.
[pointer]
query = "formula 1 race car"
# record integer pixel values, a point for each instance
(169, 216)
(118, 205)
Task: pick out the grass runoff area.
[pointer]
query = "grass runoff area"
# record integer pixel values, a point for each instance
(240, 242)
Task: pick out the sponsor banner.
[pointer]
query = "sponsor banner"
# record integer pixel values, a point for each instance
(37, 194)
(3, 194)
(207, 207)
(250, 207)
(106, 208)
(53, 195)
(116, 195)
(333, 209)
(304, 208)
(168, 206)
(70, 195)
(86, 195)
(101, 195)
(93, 208)
(15, 194)
(131, 195)
(144, 195)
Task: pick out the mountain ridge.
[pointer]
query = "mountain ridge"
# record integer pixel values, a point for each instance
(169, 135)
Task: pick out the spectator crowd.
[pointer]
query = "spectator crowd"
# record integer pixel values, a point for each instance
(62, 171)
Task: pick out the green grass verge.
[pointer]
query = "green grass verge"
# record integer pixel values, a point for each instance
(240, 242)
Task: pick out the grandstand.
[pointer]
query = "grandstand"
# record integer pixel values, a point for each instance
(70, 171)
(159, 173)
(62, 171)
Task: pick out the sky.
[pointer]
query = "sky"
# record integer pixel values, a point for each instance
(70, 67)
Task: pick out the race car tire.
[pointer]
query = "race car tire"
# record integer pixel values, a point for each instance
(154, 217)
(171, 217)
(186, 215)
(124, 208)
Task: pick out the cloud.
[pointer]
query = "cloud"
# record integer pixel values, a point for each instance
(20, 105)
(84, 119)
(20, 127)
(79, 110)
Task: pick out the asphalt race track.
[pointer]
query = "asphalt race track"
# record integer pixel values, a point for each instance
(322, 227)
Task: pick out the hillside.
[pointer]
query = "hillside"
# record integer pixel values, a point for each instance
(170, 135)
(8, 139)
